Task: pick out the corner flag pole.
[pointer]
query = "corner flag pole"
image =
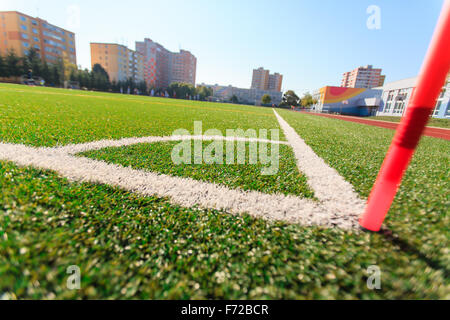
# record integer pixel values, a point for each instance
(423, 100)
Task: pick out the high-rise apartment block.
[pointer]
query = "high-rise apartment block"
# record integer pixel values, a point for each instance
(162, 67)
(260, 80)
(120, 62)
(363, 77)
(275, 82)
(20, 32)
(263, 80)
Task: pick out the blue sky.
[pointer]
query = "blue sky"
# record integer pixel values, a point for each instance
(310, 42)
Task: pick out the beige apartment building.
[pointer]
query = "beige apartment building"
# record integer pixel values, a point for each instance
(365, 77)
(120, 62)
(275, 82)
(183, 67)
(20, 32)
(264, 80)
(163, 67)
(260, 79)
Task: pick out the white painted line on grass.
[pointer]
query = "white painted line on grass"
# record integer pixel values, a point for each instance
(102, 144)
(188, 192)
(328, 185)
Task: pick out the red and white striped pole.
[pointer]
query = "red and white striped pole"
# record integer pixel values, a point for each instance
(430, 82)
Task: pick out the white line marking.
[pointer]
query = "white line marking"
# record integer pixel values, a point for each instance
(326, 182)
(185, 191)
(102, 144)
(328, 185)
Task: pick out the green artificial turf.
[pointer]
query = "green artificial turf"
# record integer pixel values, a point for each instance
(419, 213)
(134, 247)
(48, 117)
(433, 122)
(157, 157)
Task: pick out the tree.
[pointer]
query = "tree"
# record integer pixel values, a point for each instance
(204, 92)
(266, 99)
(99, 78)
(73, 76)
(181, 90)
(3, 72)
(234, 99)
(290, 99)
(142, 87)
(34, 63)
(308, 101)
(13, 64)
(45, 73)
(100, 70)
(55, 76)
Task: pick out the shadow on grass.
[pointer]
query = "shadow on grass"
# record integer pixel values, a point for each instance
(408, 248)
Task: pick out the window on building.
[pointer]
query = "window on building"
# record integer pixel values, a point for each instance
(399, 107)
(49, 57)
(437, 109)
(389, 102)
(34, 23)
(26, 44)
(24, 36)
(23, 19)
(35, 31)
(35, 39)
(53, 50)
(24, 28)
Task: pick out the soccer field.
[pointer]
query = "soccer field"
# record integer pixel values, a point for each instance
(135, 244)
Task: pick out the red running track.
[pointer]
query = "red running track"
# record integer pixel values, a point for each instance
(439, 133)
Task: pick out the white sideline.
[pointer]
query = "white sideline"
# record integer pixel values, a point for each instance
(328, 185)
(339, 209)
(102, 144)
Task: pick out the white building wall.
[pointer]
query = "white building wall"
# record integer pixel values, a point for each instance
(396, 97)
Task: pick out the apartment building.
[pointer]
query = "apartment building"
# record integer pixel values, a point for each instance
(163, 67)
(245, 96)
(120, 62)
(183, 67)
(260, 79)
(275, 82)
(263, 80)
(365, 77)
(20, 32)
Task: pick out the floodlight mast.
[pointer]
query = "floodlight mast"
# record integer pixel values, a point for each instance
(431, 79)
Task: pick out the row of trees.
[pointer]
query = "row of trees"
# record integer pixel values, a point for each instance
(31, 66)
(98, 79)
(186, 90)
(290, 99)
